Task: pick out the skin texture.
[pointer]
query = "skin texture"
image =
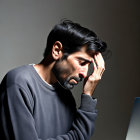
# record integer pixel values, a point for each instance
(92, 80)
(68, 72)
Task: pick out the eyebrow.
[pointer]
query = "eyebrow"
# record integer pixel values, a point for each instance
(86, 60)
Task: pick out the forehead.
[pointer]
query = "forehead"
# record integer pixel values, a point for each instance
(83, 54)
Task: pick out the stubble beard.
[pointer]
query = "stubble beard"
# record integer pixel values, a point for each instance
(59, 71)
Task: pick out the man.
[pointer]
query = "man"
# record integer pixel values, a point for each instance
(35, 100)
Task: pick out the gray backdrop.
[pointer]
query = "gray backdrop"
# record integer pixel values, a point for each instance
(25, 24)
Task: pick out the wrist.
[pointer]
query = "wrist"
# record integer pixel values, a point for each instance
(88, 93)
(88, 103)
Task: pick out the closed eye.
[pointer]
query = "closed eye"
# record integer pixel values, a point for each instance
(84, 63)
(84, 60)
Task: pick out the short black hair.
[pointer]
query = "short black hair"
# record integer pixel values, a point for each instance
(73, 36)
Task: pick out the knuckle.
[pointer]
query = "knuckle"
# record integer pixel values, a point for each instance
(101, 67)
(99, 78)
(94, 78)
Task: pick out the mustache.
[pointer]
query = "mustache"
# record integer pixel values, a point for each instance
(68, 85)
(77, 79)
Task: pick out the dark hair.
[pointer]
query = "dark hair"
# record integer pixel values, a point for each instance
(73, 36)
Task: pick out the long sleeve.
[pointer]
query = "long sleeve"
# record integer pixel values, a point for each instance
(17, 122)
(32, 110)
(83, 125)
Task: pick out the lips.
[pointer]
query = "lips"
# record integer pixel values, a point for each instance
(73, 81)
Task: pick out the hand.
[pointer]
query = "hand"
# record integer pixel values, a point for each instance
(92, 80)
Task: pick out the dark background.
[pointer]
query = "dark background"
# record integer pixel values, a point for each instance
(25, 24)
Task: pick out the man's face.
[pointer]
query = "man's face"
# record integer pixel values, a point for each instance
(73, 69)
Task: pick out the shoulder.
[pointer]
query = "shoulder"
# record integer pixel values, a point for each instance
(18, 75)
(14, 86)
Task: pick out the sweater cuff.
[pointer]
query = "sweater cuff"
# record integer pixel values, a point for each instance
(88, 103)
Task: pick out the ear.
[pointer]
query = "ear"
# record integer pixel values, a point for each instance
(57, 50)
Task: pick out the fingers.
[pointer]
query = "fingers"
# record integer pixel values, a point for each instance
(99, 60)
(98, 64)
(92, 80)
(94, 64)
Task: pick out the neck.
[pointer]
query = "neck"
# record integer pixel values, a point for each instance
(44, 69)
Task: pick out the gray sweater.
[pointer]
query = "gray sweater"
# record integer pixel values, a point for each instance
(30, 109)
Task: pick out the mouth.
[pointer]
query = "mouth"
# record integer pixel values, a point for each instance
(73, 82)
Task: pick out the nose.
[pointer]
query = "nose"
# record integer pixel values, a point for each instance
(83, 72)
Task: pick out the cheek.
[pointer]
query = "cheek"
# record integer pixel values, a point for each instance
(74, 65)
(77, 69)
(65, 70)
(82, 69)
